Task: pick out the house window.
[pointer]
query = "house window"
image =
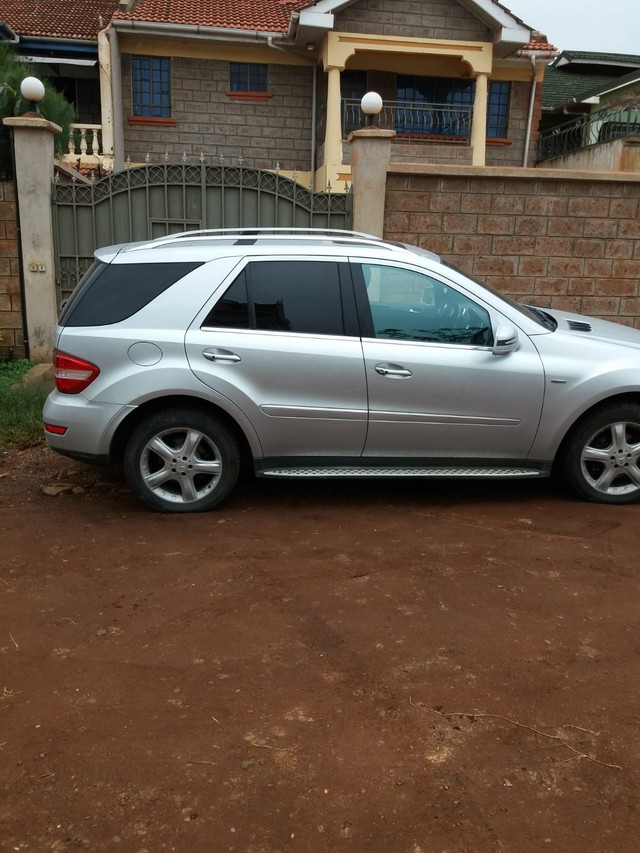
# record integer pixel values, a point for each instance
(248, 77)
(434, 106)
(151, 86)
(498, 109)
(442, 106)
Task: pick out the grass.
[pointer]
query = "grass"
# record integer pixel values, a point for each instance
(20, 406)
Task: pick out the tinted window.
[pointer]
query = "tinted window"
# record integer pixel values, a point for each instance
(285, 296)
(232, 311)
(411, 306)
(110, 293)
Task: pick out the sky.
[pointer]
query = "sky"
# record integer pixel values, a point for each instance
(606, 26)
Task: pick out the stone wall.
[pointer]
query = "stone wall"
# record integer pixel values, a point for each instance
(263, 132)
(436, 19)
(12, 341)
(563, 240)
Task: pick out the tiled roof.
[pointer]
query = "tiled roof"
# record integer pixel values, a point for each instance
(57, 18)
(539, 42)
(265, 15)
(560, 87)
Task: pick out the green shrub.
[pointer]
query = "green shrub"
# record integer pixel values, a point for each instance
(20, 406)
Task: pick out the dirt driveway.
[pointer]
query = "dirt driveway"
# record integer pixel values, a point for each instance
(375, 667)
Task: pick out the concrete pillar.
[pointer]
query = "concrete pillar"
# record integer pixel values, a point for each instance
(33, 146)
(370, 157)
(333, 129)
(479, 123)
(106, 97)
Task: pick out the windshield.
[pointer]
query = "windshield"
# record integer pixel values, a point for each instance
(532, 313)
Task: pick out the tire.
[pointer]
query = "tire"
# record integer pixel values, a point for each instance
(601, 458)
(182, 460)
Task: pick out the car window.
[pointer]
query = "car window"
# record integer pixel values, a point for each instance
(289, 296)
(110, 293)
(411, 306)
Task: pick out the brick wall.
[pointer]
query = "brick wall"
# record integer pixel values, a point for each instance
(569, 241)
(262, 132)
(438, 19)
(12, 343)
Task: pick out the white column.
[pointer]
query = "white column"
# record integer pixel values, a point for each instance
(106, 97)
(333, 130)
(479, 123)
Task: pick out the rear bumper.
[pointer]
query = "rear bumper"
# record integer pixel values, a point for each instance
(90, 426)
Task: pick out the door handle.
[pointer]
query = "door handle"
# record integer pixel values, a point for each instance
(217, 354)
(394, 371)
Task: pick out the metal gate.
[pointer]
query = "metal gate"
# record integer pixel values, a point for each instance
(144, 202)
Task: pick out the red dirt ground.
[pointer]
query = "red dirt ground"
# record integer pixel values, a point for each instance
(388, 667)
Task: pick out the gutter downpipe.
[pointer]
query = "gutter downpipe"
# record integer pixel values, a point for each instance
(314, 102)
(532, 99)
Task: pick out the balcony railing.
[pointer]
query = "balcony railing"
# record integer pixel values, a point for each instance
(85, 140)
(613, 122)
(411, 120)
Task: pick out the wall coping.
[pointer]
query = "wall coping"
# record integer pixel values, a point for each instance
(435, 170)
(33, 121)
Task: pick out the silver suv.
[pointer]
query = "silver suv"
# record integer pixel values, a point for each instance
(331, 354)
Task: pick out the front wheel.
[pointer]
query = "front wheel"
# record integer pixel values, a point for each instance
(601, 459)
(182, 460)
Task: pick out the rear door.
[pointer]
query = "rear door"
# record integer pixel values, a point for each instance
(282, 343)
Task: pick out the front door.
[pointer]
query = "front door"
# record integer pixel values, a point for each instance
(435, 388)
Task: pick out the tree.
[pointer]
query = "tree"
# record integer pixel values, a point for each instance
(53, 106)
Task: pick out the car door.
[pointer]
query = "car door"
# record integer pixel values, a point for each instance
(282, 344)
(435, 387)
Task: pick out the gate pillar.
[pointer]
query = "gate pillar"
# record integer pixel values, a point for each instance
(370, 156)
(33, 147)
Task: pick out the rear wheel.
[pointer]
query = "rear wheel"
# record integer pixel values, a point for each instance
(182, 460)
(601, 460)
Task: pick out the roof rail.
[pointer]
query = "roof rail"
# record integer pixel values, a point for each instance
(263, 233)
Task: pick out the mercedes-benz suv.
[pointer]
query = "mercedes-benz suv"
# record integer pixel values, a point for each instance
(331, 354)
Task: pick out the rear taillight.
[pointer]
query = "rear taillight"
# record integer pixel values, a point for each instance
(73, 374)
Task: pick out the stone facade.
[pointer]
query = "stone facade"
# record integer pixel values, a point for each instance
(571, 243)
(12, 340)
(262, 132)
(436, 19)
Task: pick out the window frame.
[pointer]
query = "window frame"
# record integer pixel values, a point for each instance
(499, 97)
(243, 76)
(366, 313)
(350, 327)
(153, 106)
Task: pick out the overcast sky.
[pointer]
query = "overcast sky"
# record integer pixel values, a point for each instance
(609, 26)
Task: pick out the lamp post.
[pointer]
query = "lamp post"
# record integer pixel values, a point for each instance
(32, 90)
(371, 104)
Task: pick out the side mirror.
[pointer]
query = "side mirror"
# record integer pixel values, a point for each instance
(506, 340)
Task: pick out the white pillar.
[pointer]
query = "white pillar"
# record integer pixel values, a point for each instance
(33, 146)
(333, 130)
(479, 123)
(106, 97)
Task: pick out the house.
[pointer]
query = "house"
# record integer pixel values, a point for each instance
(277, 84)
(591, 112)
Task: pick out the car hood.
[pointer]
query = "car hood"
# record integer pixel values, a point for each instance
(600, 330)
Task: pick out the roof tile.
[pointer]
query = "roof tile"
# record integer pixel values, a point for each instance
(57, 18)
(263, 15)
